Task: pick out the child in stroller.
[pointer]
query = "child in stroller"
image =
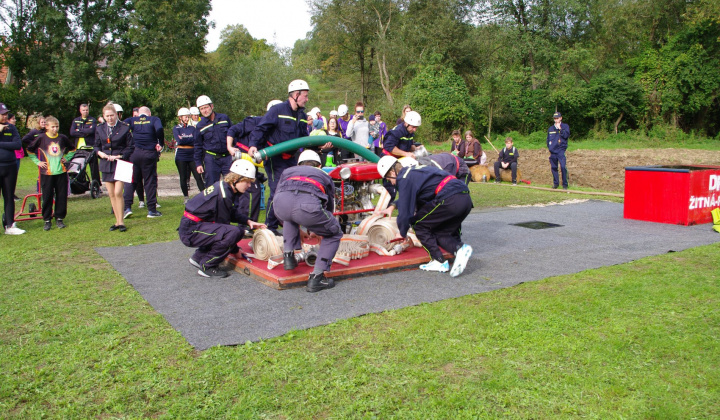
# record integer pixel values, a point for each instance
(77, 171)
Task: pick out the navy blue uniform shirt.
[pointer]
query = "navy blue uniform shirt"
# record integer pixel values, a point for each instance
(400, 138)
(241, 131)
(83, 128)
(216, 204)
(557, 139)
(147, 132)
(211, 136)
(279, 124)
(184, 135)
(416, 186)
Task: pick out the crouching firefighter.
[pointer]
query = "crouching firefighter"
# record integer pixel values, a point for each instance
(305, 196)
(435, 203)
(205, 224)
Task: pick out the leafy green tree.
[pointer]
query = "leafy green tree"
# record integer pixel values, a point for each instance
(441, 97)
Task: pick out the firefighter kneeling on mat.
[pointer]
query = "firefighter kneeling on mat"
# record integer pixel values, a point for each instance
(435, 203)
(205, 225)
(305, 196)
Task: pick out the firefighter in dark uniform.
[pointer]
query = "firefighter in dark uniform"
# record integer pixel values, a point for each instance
(557, 143)
(82, 131)
(149, 139)
(448, 163)
(210, 142)
(399, 142)
(305, 197)
(205, 224)
(435, 204)
(238, 140)
(284, 121)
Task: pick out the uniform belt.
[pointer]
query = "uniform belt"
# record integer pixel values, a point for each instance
(442, 183)
(192, 217)
(217, 155)
(183, 146)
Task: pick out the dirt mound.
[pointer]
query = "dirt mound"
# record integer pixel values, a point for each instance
(605, 169)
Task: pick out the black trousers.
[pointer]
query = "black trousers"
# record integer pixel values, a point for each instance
(513, 169)
(54, 187)
(145, 171)
(8, 179)
(184, 170)
(438, 224)
(214, 241)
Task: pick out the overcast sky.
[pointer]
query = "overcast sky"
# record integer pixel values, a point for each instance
(280, 22)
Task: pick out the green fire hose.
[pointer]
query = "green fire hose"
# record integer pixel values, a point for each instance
(291, 146)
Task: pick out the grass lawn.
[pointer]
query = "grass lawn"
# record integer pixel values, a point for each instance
(636, 340)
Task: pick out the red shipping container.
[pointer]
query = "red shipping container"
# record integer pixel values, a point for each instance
(676, 194)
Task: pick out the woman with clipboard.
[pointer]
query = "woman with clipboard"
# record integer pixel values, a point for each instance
(113, 142)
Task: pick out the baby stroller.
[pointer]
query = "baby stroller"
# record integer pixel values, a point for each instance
(77, 172)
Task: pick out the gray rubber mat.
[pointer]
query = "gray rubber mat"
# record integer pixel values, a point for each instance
(211, 312)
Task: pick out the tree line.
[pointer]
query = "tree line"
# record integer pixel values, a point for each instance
(494, 66)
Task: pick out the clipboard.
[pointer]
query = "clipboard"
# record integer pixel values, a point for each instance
(123, 171)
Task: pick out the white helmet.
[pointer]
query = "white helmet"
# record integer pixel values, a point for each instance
(244, 168)
(203, 100)
(118, 108)
(406, 161)
(342, 110)
(309, 155)
(384, 164)
(183, 111)
(194, 110)
(333, 113)
(298, 84)
(273, 103)
(314, 111)
(413, 118)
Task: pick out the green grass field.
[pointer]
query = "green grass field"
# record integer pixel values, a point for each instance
(636, 340)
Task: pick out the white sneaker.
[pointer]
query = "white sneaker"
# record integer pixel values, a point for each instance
(436, 265)
(461, 259)
(14, 230)
(141, 205)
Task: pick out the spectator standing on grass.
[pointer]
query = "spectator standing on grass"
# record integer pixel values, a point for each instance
(9, 142)
(148, 139)
(184, 135)
(357, 128)
(507, 159)
(82, 132)
(114, 142)
(50, 151)
(557, 142)
(382, 132)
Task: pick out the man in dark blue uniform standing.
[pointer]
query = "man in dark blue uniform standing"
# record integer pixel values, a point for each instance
(82, 131)
(557, 139)
(210, 142)
(435, 204)
(149, 139)
(238, 141)
(284, 121)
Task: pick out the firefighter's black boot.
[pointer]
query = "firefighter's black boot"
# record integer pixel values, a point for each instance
(318, 282)
(289, 261)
